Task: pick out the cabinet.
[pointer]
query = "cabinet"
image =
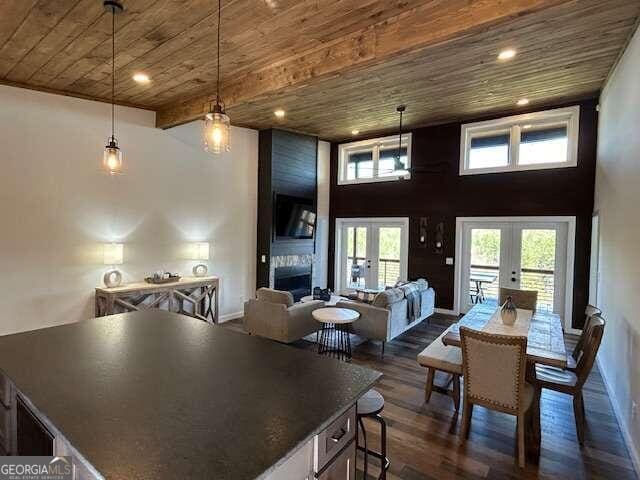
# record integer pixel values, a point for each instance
(33, 438)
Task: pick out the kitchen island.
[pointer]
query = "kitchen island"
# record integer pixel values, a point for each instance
(157, 395)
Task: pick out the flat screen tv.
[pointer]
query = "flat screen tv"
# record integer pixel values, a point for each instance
(294, 217)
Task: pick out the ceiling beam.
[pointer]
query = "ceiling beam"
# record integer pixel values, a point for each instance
(431, 23)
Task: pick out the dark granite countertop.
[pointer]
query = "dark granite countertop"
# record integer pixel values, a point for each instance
(156, 395)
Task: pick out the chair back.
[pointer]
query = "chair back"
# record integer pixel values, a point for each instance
(589, 312)
(593, 338)
(525, 299)
(494, 369)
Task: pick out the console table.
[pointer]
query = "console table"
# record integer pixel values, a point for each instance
(201, 293)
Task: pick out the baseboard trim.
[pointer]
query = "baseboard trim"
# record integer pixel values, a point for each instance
(230, 316)
(445, 311)
(626, 434)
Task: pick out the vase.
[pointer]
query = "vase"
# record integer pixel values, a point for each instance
(509, 313)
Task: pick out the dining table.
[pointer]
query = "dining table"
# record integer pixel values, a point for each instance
(545, 338)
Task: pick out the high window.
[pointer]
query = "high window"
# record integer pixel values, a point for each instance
(375, 160)
(547, 139)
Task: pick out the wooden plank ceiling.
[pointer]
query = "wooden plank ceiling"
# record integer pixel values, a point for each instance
(332, 65)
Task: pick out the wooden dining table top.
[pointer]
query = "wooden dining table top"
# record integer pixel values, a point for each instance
(545, 338)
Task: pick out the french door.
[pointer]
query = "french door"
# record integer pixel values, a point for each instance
(514, 254)
(371, 253)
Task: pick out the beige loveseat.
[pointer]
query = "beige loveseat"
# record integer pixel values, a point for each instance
(390, 314)
(272, 314)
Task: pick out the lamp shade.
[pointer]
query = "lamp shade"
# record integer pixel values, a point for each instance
(201, 251)
(113, 253)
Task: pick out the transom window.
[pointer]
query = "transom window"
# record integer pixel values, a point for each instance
(375, 160)
(547, 139)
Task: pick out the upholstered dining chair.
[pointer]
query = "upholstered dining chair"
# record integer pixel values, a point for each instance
(525, 299)
(571, 382)
(494, 369)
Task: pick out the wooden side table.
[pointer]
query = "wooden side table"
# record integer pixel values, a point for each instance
(199, 292)
(334, 338)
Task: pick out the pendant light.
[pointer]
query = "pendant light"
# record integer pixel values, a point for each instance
(217, 126)
(112, 158)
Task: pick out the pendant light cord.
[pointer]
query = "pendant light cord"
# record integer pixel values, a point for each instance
(113, 73)
(400, 137)
(218, 60)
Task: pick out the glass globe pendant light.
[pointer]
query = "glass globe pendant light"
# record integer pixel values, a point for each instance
(112, 157)
(217, 126)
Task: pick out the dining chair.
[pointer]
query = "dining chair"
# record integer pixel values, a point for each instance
(525, 299)
(571, 382)
(589, 313)
(494, 368)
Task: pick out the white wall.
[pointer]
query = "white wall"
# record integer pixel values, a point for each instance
(617, 200)
(57, 207)
(321, 258)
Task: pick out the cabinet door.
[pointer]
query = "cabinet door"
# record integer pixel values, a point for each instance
(33, 437)
(343, 466)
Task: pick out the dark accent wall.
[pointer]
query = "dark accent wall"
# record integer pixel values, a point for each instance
(444, 195)
(287, 164)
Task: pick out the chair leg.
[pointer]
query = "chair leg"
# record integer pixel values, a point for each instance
(382, 351)
(383, 448)
(364, 440)
(467, 412)
(578, 412)
(521, 444)
(456, 392)
(428, 388)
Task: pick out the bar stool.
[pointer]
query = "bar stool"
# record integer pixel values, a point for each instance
(370, 406)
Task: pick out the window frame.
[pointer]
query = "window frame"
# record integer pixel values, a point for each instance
(568, 117)
(374, 145)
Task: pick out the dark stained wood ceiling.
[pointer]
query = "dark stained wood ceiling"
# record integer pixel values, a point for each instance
(332, 65)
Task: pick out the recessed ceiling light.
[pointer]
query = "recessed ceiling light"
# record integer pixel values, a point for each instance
(141, 78)
(279, 113)
(522, 102)
(507, 54)
(355, 132)
(527, 127)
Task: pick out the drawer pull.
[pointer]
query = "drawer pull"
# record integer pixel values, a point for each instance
(336, 437)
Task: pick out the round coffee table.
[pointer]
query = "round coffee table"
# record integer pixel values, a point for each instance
(334, 338)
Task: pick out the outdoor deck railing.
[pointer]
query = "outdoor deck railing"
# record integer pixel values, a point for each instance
(531, 279)
(388, 270)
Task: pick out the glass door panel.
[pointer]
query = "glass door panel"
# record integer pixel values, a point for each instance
(389, 256)
(373, 254)
(356, 258)
(483, 265)
(538, 264)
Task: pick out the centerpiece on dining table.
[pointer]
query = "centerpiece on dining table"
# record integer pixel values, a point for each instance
(509, 312)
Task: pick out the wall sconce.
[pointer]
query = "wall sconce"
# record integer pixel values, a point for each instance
(422, 233)
(200, 252)
(113, 254)
(438, 246)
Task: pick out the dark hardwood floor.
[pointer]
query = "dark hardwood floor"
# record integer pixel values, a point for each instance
(423, 438)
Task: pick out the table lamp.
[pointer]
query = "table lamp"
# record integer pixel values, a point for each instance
(200, 252)
(113, 255)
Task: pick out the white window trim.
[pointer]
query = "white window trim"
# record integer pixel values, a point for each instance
(374, 145)
(569, 116)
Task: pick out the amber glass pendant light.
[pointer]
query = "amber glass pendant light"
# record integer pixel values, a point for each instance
(112, 157)
(216, 132)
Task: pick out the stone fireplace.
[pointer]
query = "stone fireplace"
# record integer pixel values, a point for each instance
(292, 273)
